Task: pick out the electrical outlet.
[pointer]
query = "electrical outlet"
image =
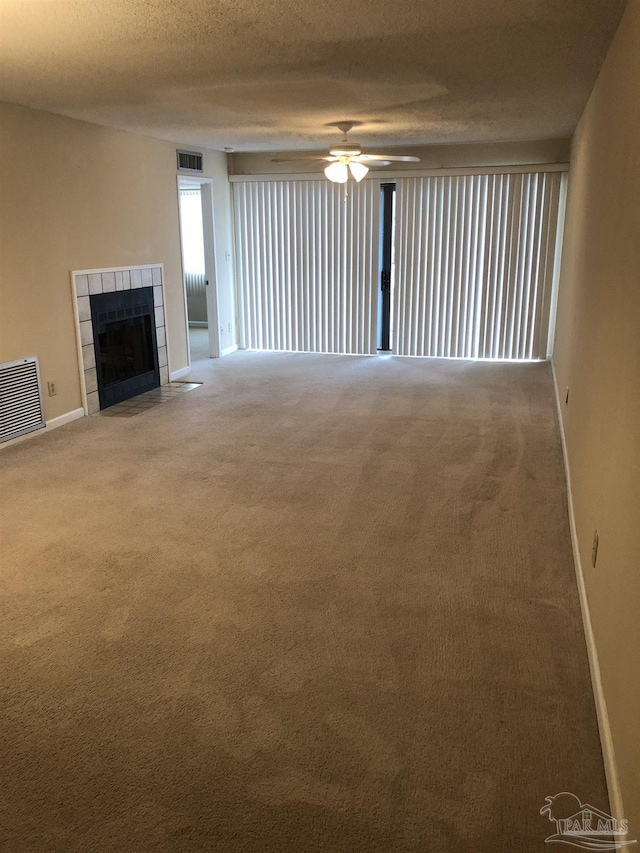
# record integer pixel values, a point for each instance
(51, 388)
(566, 399)
(222, 330)
(594, 549)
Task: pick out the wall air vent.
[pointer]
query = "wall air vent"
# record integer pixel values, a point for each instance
(21, 408)
(189, 161)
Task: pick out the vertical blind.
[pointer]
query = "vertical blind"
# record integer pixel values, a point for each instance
(308, 266)
(474, 265)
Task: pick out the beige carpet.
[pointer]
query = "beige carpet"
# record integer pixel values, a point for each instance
(320, 604)
(198, 343)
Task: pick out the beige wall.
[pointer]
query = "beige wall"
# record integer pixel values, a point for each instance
(215, 167)
(431, 157)
(79, 196)
(597, 355)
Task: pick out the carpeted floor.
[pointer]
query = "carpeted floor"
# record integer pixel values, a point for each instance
(198, 343)
(319, 605)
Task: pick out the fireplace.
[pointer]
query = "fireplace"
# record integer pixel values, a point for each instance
(124, 338)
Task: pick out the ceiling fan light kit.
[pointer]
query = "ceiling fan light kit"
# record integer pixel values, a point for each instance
(337, 172)
(346, 157)
(358, 170)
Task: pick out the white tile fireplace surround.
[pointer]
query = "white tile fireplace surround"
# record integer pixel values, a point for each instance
(85, 283)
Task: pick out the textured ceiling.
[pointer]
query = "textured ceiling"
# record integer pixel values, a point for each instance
(264, 75)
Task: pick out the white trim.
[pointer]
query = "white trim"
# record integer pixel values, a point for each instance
(117, 269)
(61, 420)
(211, 262)
(177, 374)
(184, 283)
(228, 350)
(211, 267)
(557, 263)
(165, 314)
(76, 320)
(54, 423)
(377, 175)
(608, 752)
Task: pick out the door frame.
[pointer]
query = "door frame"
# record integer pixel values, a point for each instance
(385, 305)
(210, 262)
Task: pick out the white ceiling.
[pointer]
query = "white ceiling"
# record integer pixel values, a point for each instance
(265, 75)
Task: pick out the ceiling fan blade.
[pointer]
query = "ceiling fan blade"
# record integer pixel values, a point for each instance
(299, 159)
(373, 163)
(388, 157)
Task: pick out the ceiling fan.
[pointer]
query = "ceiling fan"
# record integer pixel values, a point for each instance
(346, 156)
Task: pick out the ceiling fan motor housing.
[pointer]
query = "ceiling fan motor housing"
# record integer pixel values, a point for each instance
(345, 148)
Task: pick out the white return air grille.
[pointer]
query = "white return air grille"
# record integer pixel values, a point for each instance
(20, 398)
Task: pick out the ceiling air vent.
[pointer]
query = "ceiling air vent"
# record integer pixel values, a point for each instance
(189, 161)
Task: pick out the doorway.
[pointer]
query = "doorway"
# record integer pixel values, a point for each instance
(198, 269)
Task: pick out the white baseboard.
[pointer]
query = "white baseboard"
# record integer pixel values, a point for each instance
(610, 766)
(178, 374)
(228, 350)
(54, 423)
(61, 420)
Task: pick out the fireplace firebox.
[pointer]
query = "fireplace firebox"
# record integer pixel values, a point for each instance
(124, 338)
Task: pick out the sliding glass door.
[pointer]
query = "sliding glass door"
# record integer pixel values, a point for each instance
(460, 266)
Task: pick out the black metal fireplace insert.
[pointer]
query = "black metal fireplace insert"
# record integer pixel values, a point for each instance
(124, 337)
